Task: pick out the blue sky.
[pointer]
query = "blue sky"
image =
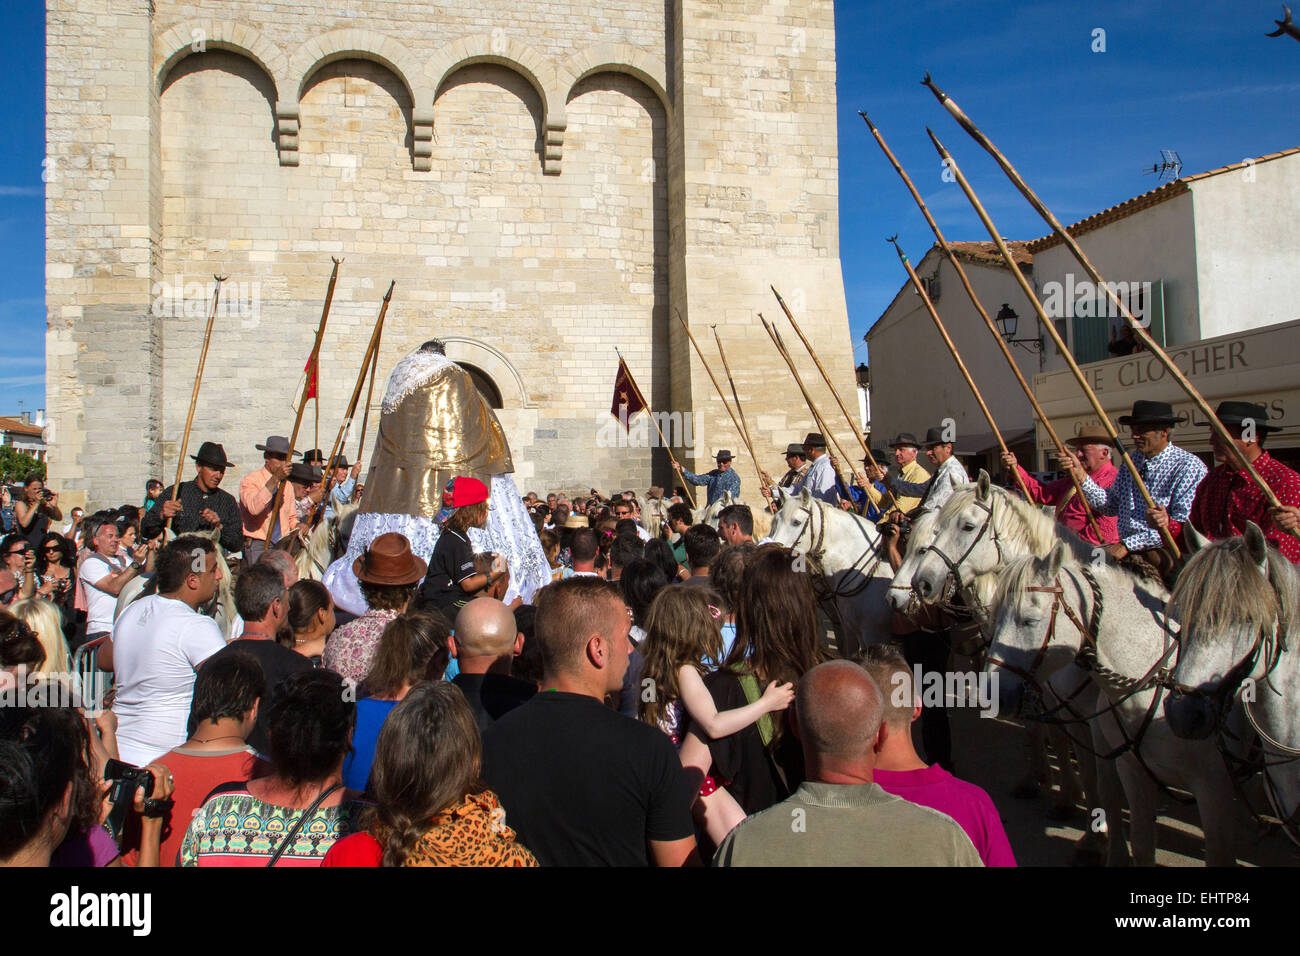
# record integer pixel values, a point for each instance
(1196, 76)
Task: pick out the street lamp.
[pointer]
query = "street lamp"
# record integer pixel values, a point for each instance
(1008, 322)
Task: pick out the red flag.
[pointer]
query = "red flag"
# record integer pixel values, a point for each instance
(626, 394)
(311, 370)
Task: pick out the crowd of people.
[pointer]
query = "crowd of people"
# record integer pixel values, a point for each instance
(668, 698)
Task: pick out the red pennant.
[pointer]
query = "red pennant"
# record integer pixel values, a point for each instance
(626, 394)
(311, 369)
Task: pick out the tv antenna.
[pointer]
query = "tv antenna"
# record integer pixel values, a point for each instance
(1170, 164)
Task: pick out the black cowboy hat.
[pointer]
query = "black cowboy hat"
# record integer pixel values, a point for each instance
(814, 440)
(905, 440)
(212, 455)
(1157, 414)
(1238, 413)
(794, 449)
(879, 454)
(934, 436)
(723, 455)
(304, 473)
(314, 457)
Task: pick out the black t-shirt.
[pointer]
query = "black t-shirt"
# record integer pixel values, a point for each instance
(583, 785)
(40, 523)
(492, 696)
(740, 761)
(278, 662)
(452, 561)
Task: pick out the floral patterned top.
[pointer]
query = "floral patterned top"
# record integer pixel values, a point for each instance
(350, 650)
(235, 828)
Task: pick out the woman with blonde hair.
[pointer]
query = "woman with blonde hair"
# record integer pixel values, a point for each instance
(44, 619)
(431, 808)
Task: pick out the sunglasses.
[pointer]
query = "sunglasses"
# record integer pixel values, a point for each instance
(19, 551)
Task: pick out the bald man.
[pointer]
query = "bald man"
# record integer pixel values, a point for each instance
(485, 643)
(839, 816)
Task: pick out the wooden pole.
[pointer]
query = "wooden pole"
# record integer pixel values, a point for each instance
(718, 388)
(1138, 327)
(961, 366)
(740, 412)
(1061, 448)
(1050, 327)
(302, 404)
(194, 395)
(817, 416)
(372, 348)
(857, 431)
(370, 392)
(662, 440)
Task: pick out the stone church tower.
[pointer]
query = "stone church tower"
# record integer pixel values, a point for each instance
(545, 181)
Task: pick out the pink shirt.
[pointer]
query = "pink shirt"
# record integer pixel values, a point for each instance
(1072, 514)
(966, 803)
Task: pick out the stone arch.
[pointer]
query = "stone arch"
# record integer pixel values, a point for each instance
(540, 72)
(619, 58)
(355, 44)
(196, 36)
(494, 365)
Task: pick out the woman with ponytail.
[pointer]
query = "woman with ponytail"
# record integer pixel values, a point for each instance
(432, 810)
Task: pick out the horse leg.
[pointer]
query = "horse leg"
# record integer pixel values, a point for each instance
(1070, 794)
(1036, 777)
(1141, 792)
(1218, 808)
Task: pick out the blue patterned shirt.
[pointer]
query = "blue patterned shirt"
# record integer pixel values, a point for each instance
(1172, 478)
(717, 482)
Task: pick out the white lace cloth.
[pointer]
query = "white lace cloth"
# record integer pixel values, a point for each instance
(509, 532)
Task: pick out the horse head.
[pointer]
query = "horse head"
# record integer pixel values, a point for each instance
(901, 596)
(1232, 621)
(1028, 645)
(793, 520)
(965, 542)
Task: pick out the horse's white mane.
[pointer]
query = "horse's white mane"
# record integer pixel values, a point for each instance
(1022, 571)
(1033, 529)
(1221, 586)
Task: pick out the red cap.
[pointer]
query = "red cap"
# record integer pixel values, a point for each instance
(467, 491)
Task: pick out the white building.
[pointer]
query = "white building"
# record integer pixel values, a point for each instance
(915, 382)
(23, 434)
(1208, 261)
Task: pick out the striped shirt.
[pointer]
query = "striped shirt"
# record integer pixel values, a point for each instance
(1172, 478)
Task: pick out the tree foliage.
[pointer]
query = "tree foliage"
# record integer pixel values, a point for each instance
(15, 466)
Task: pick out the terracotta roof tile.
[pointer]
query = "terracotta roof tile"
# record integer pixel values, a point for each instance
(19, 427)
(1175, 187)
(986, 253)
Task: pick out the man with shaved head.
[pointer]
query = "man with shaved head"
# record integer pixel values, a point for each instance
(484, 643)
(839, 816)
(581, 784)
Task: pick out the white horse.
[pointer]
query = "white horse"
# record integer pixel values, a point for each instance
(322, 546)
(1050, 612)
(845, 549)
(709, 515)
(1239, 658)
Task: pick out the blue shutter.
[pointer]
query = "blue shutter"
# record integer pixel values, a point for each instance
(1092, 334)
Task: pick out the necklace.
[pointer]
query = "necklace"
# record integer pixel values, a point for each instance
(208, 740)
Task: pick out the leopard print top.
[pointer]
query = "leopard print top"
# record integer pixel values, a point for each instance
(472, 833)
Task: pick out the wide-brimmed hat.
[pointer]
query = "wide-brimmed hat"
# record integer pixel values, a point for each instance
(1155, 414)
(1238, 413)
(275, 445)
(389, 560)
(576, 521)
(722, 455)
(655, 492)
(1090, 435)
(905, 440)
(814, 440)
(465, 491)
(794, 449)
(314, 457)
(879, 454)
(212, 455)
(303, 473)
(934, 436)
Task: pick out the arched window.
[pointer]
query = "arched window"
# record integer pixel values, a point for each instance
(486, 387)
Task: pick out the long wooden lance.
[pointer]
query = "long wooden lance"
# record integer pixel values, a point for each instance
(961, 366)
(812, 407)
(1061, 448)
(662, 440)
(740, 412)
(302, 403)
(740, 430)
(372, 349)
(1050, 328)
(194, 395)
(857, 432)
(1139, 327)
(370, 394)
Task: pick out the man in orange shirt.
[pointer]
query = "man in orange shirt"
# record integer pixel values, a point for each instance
(256, 492)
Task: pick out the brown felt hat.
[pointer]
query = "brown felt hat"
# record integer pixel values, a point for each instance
(389, 560)
(1089, 435)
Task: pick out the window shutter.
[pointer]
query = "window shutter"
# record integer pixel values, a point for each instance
(1091, 334)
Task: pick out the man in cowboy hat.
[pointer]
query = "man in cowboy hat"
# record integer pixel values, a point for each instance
(948, 475)
(257, 492)
(345, 478)
(862, 496)
(308, 489)
(1092, 448)
(904, 448)
(796, 460)
(1227, 498)
(1171, 475)
(201, 505)
(718, 480)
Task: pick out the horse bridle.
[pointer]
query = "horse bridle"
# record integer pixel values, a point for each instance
(953, 581)
(1087, 642)
(815, 554)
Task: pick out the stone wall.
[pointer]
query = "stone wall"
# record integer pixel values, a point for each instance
(545, 183)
